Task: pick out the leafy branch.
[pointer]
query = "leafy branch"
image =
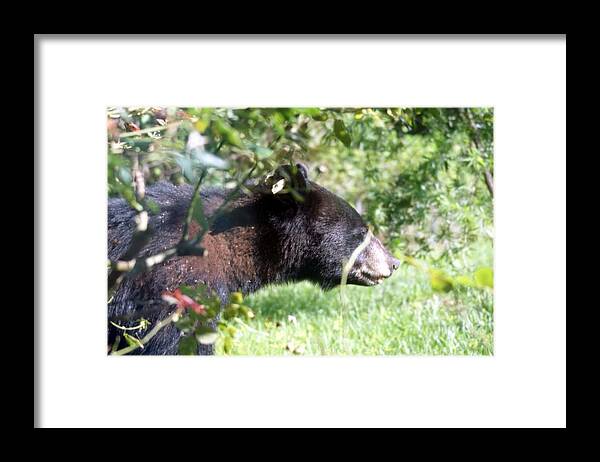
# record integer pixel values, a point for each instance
(487, 175)
(140, 237)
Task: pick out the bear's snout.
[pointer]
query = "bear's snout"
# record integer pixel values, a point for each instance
(394, 263)
(374, 264)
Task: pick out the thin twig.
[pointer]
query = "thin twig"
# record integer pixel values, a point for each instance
(185, 236)
(138, 179)
(138, 327)
(145, 131)
(350, 263)
(345, 271)
(489, 181)
(140, 237)
(148, 337)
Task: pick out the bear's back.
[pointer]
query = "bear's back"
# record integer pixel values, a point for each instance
(166, 225)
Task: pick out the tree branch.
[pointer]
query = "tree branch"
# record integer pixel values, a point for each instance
(489, 181)
(190, 212)
(140, 237)
(147, 130)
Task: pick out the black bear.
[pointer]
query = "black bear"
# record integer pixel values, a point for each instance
(268, 236)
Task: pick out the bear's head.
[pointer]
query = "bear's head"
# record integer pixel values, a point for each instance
(327, 233)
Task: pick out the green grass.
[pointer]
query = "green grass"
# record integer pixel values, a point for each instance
(401, 316)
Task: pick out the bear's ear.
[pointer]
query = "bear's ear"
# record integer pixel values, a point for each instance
(289, 178)
(299, 176)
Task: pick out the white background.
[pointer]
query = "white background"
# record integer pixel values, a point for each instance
(523, 384)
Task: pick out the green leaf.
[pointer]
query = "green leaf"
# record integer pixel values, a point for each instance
(197, 316)
(309, 111)
(463, 280)
(341, 132)
(247, 312)
(289, 114)
(185, 324)
(230, 313)
(261, 152)
(228, 133)
(206, 159)
(440, 282)
(188, 345)
(206, 335)
(188, 290)
(484, 276)
(187, 168)
(277, 120)
(321, 116)
(124, 175)
(231, 330)
(140, 144)
(202, 124)
(236, 297)
(152, 206)
(131, 340)
(228, 345)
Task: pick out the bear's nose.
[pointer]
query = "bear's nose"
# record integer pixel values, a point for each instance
(395, 263)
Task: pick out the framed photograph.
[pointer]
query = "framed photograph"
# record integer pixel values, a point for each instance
(331, 223)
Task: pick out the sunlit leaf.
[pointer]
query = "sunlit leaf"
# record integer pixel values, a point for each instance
(188, 345)
(131, 340)
(247, 312)
(463, 280)
(228, 345)
(440, 282)
(206, 335)
(228, 133)
(321, 116)
(277, 120)
(278, 186)
(341, 132)
(484, 276)
(236, 297)
(309, 111)
(202, 125)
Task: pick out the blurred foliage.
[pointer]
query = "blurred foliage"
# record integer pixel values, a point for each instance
(198, 326)
(415, 174)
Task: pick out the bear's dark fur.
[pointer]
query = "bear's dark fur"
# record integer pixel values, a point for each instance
(261, 238)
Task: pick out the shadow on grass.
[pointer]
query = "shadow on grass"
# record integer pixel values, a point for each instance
(277, 302)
